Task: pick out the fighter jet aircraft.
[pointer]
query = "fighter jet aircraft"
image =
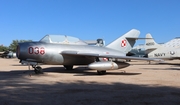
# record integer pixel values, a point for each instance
(167, 51)
(69, 51)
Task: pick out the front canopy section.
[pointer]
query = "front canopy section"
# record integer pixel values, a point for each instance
(62, 39)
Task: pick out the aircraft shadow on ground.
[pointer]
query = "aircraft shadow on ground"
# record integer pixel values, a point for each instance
(84, 71)
(173, 64)
(177, 65)
(145, 64)
(17, 89)
(81, 92)
(160, 68)
(78, 71)
(18, 65)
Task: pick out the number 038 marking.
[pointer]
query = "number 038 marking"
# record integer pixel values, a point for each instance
(36, 50)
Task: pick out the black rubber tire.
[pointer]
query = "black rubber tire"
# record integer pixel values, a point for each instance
(38, 70)
(68, 67)
(101, 72)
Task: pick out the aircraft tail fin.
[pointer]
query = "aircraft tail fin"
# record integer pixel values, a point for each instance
(126, 42)
(150, 42)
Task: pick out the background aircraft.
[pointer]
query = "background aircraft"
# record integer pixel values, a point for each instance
(7, 54)
(137, 52)
(69, 51)
(168, 51)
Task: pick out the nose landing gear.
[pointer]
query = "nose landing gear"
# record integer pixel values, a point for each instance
(37, 69)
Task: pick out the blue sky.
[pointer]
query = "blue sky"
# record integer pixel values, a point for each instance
(88, 19)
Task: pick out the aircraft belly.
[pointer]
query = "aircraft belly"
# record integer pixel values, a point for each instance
(54, 59)
(77, 60)
(68, 60)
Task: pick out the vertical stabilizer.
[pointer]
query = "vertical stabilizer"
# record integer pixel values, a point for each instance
(150, 43)
(126, 42)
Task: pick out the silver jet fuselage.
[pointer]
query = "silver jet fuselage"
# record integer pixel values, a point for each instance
(69, 51)
(51, 53)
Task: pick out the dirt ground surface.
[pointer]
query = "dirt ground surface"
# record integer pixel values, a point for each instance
(141, 83)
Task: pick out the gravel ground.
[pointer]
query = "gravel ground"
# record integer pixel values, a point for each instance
(141, 83)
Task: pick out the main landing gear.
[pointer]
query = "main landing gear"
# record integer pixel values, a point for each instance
(68, 67)
(101, 72)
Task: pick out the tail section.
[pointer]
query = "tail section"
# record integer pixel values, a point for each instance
(126, 42)
(150, 44)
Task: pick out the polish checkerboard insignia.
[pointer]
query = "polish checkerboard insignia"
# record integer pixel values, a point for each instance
(123, 43)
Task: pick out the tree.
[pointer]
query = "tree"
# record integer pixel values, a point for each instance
(14, 44)
(3, 48)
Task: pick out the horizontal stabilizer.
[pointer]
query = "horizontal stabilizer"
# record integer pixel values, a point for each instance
(143, 38)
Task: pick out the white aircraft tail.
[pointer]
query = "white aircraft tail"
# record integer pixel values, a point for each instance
(126, 42)
(150, 44)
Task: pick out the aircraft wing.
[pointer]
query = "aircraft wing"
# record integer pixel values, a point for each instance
(108, 56)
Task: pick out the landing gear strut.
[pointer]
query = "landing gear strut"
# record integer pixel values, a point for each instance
(101, 72)
(37, 69)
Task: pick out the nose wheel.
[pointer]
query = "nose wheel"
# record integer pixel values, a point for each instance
(37, 69)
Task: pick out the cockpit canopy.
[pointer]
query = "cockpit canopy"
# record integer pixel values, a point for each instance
(62, 39)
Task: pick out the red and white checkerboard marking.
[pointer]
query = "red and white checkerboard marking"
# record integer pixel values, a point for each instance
(123, 43)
